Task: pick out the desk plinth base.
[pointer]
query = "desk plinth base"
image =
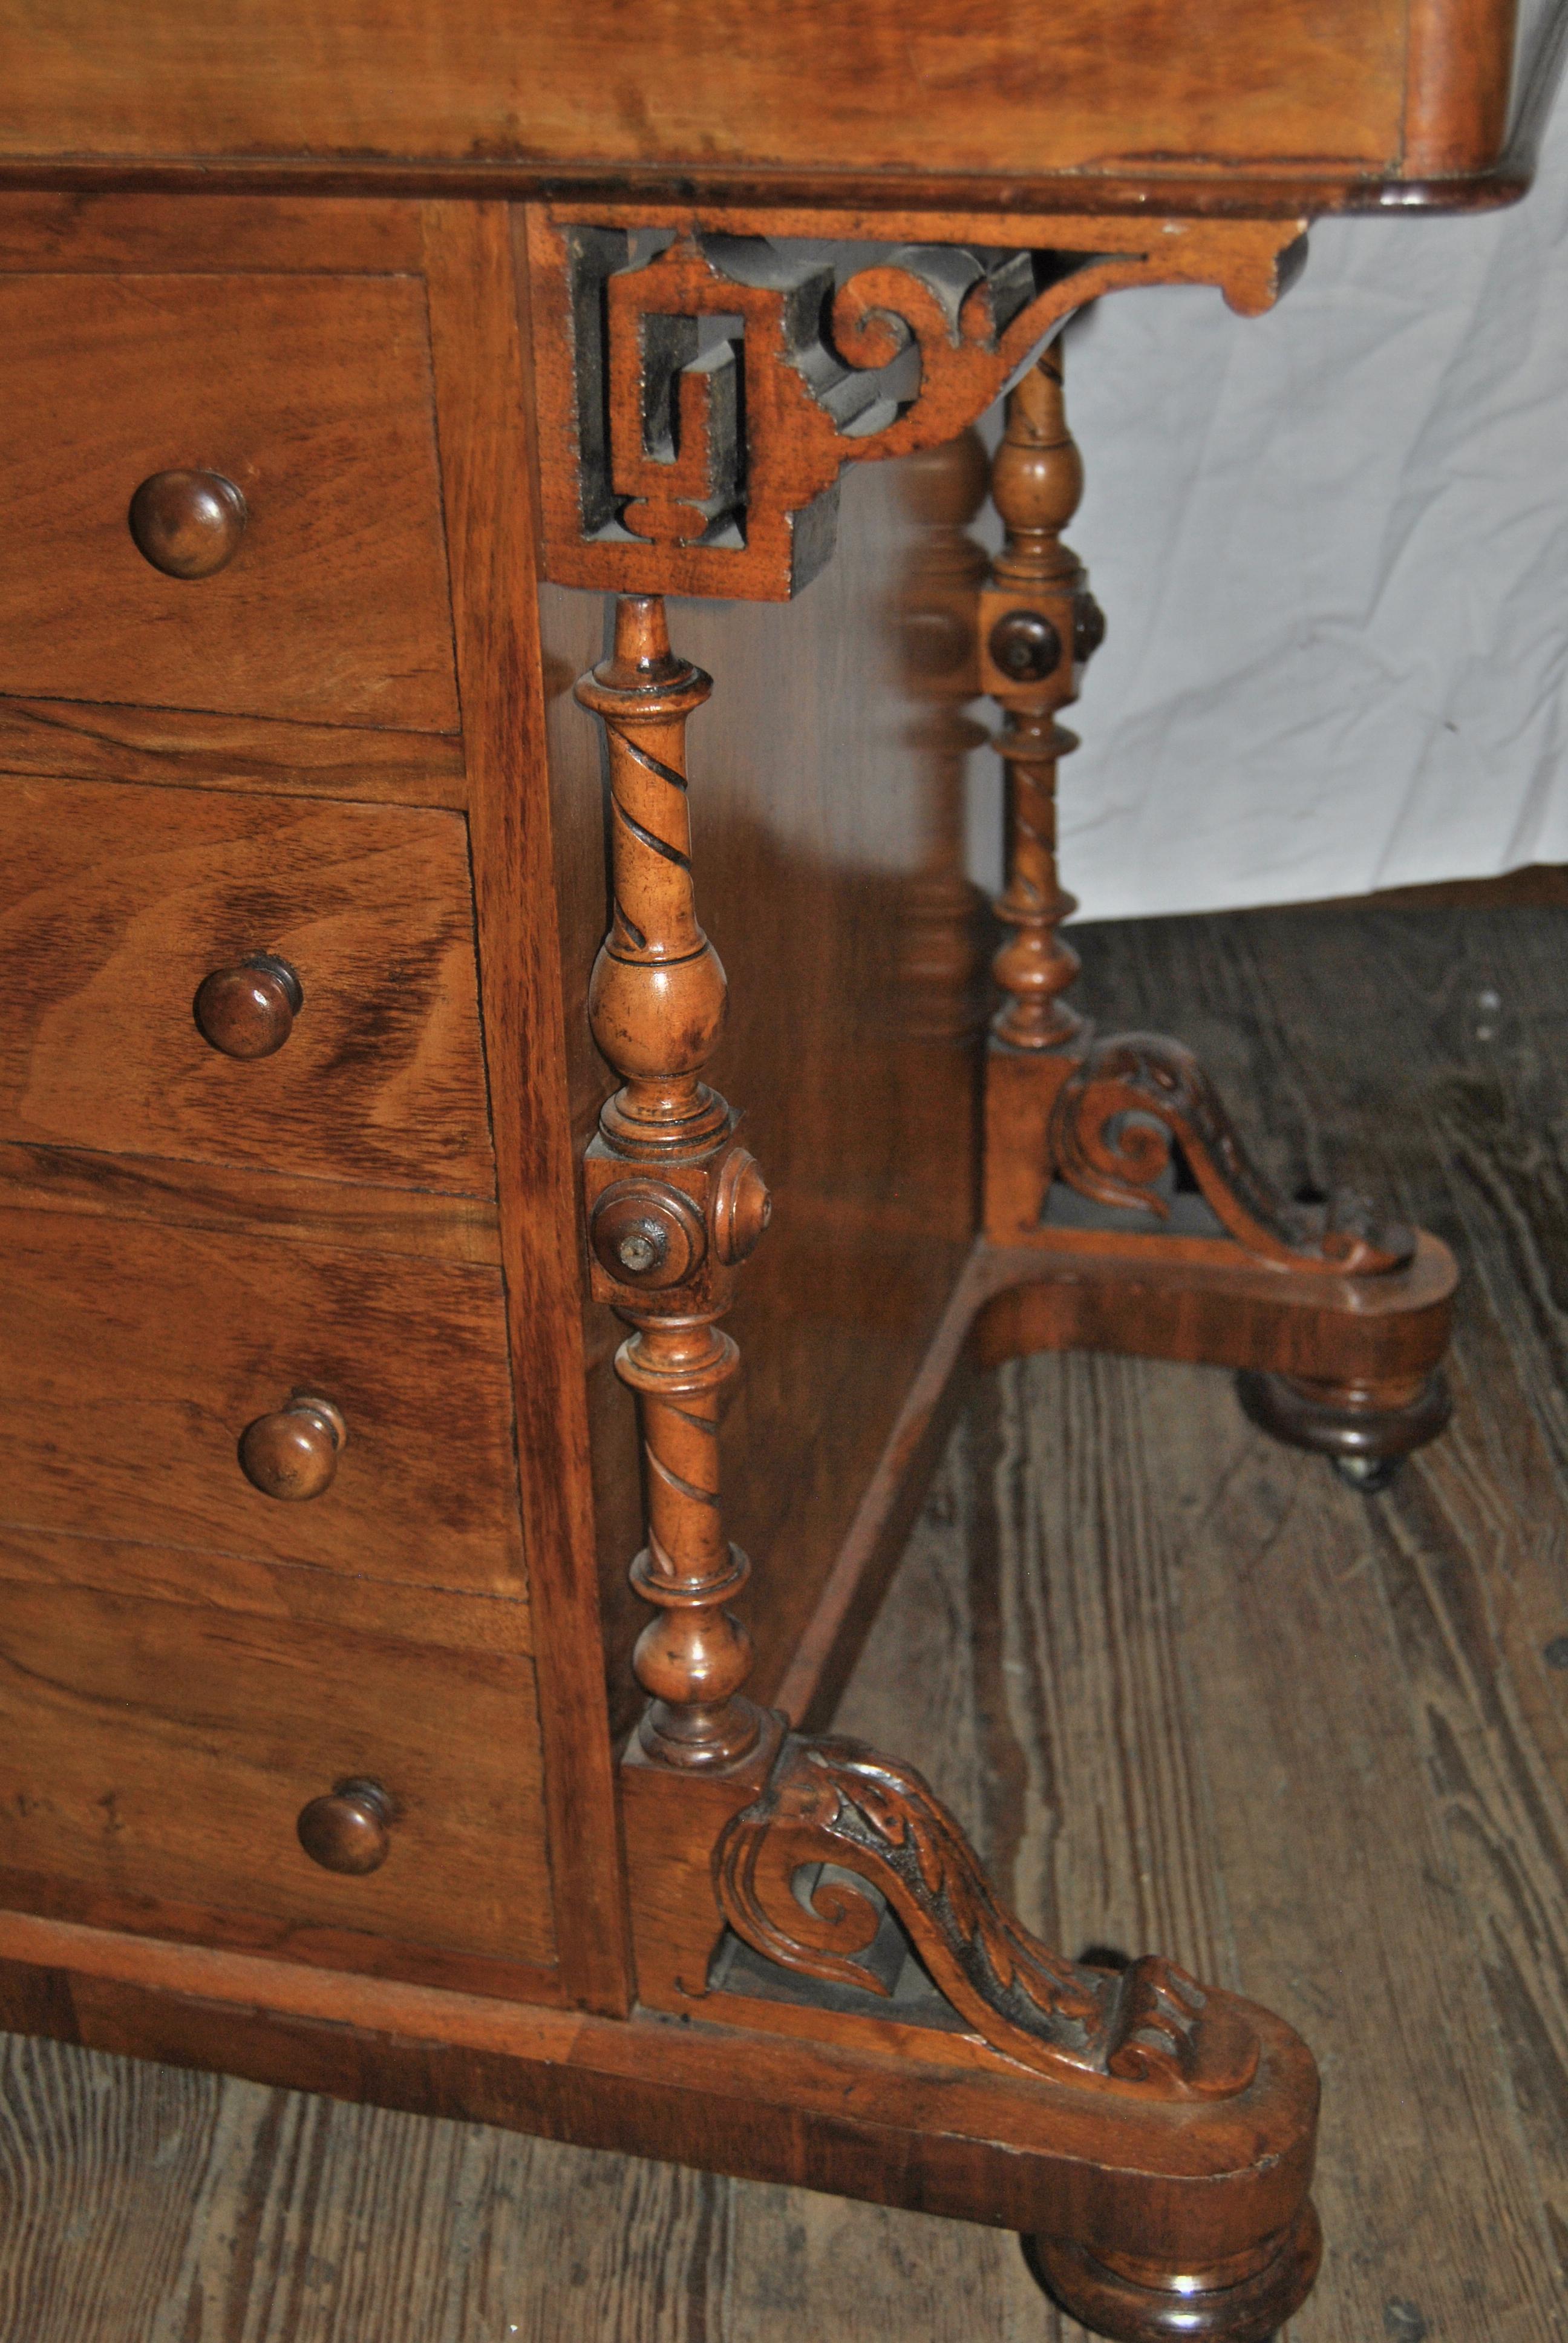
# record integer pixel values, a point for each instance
(943, 2132)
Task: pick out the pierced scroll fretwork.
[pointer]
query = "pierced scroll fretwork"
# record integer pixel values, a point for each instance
(839, 1802)
(700, 392)
(1133, 1098)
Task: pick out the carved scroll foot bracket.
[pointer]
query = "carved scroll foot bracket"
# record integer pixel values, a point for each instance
(1131, 1098)
(838, 1803)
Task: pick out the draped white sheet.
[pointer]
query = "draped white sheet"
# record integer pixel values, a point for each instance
(1333, 545)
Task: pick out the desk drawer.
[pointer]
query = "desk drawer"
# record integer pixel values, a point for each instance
(118, 901)
(311, 397)
(136, 1357)
(155, 1757)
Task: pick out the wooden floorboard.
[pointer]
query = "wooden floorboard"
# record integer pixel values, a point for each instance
(1186, 1689)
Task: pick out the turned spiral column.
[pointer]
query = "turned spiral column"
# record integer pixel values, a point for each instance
(1037, 623)
(673, 1202)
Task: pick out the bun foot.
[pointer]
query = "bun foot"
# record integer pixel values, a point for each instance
(1137, 2303)
(1366, 1432)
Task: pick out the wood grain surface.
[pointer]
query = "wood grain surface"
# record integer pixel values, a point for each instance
(311, 395)
(157, 1754)
(116, 902)
(1011, 90)
(256, 1203)
(187, 749)
(137, 1354)
(1456, 92)
(1182, 1685)
(479, 345)
(208, 233)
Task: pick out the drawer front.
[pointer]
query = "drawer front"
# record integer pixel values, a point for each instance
(155, 1757)
(311, 396)
(117, 903)
(136, 1358)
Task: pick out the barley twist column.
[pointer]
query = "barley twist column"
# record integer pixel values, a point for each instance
(673, 1202)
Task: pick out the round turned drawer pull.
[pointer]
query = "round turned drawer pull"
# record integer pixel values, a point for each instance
(293, 1455)
(187, 524)
(248, 1010)
(350, 1831)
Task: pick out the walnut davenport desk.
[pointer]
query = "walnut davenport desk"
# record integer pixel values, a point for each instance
(382, 1239)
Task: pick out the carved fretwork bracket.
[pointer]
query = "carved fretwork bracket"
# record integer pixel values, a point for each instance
(838, 1803)
(701, 386)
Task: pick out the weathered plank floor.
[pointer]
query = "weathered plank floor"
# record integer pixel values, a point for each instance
(1188, 1691)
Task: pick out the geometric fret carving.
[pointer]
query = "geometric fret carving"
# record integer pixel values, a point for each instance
(699, 393)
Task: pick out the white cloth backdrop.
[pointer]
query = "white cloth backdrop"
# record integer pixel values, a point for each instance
(1332, 547)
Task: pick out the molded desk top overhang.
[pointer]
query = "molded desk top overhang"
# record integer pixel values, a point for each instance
(1242, 106)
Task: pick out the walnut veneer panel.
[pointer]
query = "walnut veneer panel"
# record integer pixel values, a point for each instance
(1031, 86)
(116, 903)
(155, 1755)
(313, 396)
(136, 1356)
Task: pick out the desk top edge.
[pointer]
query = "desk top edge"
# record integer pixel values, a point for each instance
(1301, 108)
(1251, 194)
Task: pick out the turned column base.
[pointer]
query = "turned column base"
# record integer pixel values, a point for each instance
(1153, 2306)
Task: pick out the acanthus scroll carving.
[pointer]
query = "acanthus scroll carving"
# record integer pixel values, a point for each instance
(838, 1802)
(1132, 1097)
(700, 391)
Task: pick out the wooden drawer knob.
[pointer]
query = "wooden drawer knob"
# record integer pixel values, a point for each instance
(293, 1455)
(187, 524)
(350, 1831)
(248, 1010)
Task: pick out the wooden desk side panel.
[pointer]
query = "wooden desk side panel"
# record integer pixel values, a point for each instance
(481, 400)
(820, 821)
(1034, 88)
